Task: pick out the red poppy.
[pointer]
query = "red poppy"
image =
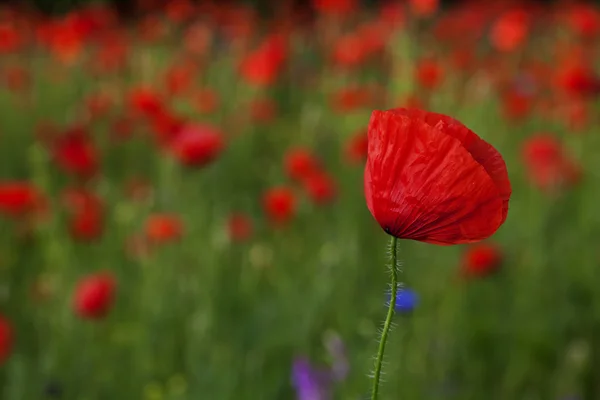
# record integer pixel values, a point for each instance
(6, 339)
(197, 145)
(424, 8)
(481, 260)
(263, 110)
(335, 7)
(263, 66)
(10, 38)
(357, 148)
(163, 228)
(239, 227)
(510, 30)
(320, 187)
(548, 165)
(279, 204)
(430, 178)
(86, 210)
(429, 74)
(94, 295)
(145, 101)
(300, 163)
(75, 153)
(18, 198)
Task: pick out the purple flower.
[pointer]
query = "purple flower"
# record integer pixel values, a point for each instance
(310, 383)
(337, 352)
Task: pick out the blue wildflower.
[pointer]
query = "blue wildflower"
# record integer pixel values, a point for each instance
(406, 300)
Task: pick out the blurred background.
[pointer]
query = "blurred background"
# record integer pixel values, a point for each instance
(182, 212)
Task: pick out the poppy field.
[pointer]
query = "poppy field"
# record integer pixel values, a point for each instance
(185, 211)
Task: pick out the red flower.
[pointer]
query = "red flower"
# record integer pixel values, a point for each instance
(335, 7)
(357, 147)
(239, 227)
(263, 66)
(197, 145)
(300, 163)
(320, 188)
(424, 8)
(6, 339)
(145, 101)
(429, 74)
(548, 165)
(163, 228)
(481, 260)
(86, 222)
(510, 30)
(75, 153)
(279, 204)
(429, 178)
(94, 295)
(18, 198)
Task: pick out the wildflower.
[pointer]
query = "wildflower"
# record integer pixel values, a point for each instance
(429, 178)
(94, 295)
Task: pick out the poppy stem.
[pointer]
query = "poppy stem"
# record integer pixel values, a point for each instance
(388, 320)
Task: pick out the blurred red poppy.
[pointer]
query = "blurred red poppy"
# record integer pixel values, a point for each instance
(163, 228)
(75, 153)
(429, 73)
(239, 227)
(335, 7)
(6, 339)
(357, 147)
(510, 30)
(263, 66)
(86, 214)
(197, 145)
(18, 198)
(279, 204)
(481, 260)
(94, 295)
(300, 163)
(320, 187)
(430, 178)
(548, 165)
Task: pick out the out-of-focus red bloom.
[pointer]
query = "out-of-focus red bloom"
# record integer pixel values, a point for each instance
(548, 165)
(578, 79)
(516, 105)
(424, 8)
(145, 101)
(335, 7)
(19, 198)
(198, 38)
(320, 187)
(99, 104)
(481, 260)
(239, 227)
(95, 295)
(86, 221)
(392, 14)
(10, 38)
(167, 126)
(357, 147)
(510, 30)
(179, 11)
(6, 339)
(178, 79)
(429, 73)
(263, 110)
(430, 178)
(197, 145)
(349, 51)
(206, 101)
(75, 153)
(584, 20)
(163, 228)
(279, 204)
(263, 66)
(351, 99)
(300, 163)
